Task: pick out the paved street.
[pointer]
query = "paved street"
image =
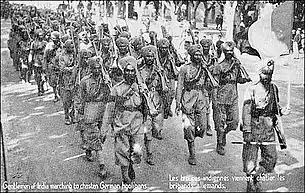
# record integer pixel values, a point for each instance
(40, 148)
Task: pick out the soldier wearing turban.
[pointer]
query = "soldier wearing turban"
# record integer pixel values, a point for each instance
(107, 53)
(116, 73)
(128, 135)
(170, 73)
(66, 64)
(226, 114)
(260, 114)
(137, 43)
(192, 99)
(93, 96)
(36, 57)
(154, 82)
(209, 61)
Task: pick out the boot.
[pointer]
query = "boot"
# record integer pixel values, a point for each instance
(89, 156)
(125, 177)
(72, 116)
(209, 131)
(67, 117)
(102, 172)
(251, 186)
(131, 172)
(192, 159)
(149, 157)
(220, 149)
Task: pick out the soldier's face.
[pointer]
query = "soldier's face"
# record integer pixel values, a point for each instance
(187, 45)
(138, 47)
(40, 36)
(123, 49)
(149, 59)
(96, 69)
(228, 53)
(163, 49)
(106, 45)
(197, 57)
(129, 74)
(206, 49)
(265, 78)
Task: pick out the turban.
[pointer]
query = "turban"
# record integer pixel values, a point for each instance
(105, 41)
(93, 61)
(127, 60)
(55, 35)
(121, 41)
(206, 42)
(68, 44)
(163, 42)
(188, 39)
(228, 45)
(125, 34)
(148, 49)
(266, 66)
(64, 38)
(136, 41)
(85, 53)
(194, 48)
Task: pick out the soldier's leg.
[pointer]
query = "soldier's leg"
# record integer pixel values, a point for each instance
(157, 126)
(268, 157)
(189, 135)
(232, 117)
(209, 128)
(148, 141)
(29, 72)
(122, 155)
(220, 120)
(249, 157)
(66, 105)
(171, 96)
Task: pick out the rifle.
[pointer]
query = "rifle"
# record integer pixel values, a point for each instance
(279, 126)
(212, 79)
(160, 68)
(105, 75)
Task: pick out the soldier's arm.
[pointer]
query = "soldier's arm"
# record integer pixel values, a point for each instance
(180, 84)
(80, 98)
(246, 111)
(109, 112)
(44, 59)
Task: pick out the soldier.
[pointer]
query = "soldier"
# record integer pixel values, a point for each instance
(260, 117)
(116, 73)
(14, 38)
(137, 44)
(24, 50)
(49, 66)
(124, 114)
(151, 76)
(36, 54)
(209, 61)
(93, 96)
(192, 98)
(170, 73)
(67, 79)
(226, 112)
(81, 71)
(107, 53)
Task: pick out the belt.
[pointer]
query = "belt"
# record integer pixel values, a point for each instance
(223, 82)
(131, 109)
(192, 87)
(263, 113)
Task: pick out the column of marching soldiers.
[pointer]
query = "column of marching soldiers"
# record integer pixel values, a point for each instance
(123, 87)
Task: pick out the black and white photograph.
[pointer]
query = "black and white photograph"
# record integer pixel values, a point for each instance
(152, 96)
